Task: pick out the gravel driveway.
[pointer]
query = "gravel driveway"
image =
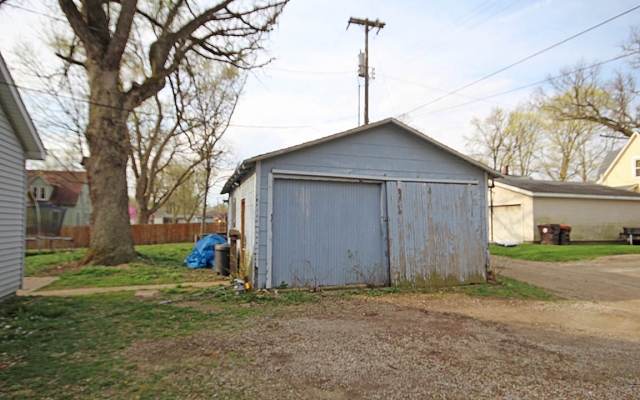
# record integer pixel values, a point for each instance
(397, 347)
(612, 278)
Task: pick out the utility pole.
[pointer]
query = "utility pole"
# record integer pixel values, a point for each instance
(368, 25)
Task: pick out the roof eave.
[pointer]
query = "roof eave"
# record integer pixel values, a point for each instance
(237, 176)
(239, 173)
(18, 116)
(565, 195)
(491, 172)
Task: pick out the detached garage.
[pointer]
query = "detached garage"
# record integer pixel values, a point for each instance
(380, 204)
(596, 213)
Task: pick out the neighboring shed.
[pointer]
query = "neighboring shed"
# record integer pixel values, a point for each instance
(595, 212)
(379, 204)
(19, 141)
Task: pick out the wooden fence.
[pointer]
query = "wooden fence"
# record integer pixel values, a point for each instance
(142, 234)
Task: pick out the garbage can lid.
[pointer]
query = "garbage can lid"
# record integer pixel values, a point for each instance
(565, 227)
(222, 246)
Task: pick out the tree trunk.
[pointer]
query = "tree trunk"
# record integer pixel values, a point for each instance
(142, 217)
(142, 206)
(203, 225)
(107, 137)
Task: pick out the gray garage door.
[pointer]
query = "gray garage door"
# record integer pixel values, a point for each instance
(327, 233)
(437, 235)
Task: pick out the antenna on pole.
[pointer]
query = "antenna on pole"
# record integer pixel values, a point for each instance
(363, 65)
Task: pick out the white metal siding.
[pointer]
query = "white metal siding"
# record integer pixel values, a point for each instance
(12, 209)
(246, 191)
(591, 220)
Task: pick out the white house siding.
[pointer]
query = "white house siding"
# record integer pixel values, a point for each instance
(590, 219)
(246, 191)
(622, 173)
(13, 186)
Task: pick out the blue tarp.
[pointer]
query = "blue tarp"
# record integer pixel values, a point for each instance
(202, 254)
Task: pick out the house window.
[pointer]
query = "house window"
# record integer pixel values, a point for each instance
(39, 192)
(636, 168)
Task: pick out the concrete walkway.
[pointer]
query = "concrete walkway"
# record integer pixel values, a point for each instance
(31, 285)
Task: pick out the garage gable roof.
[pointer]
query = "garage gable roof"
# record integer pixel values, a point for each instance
(247, 164)
(19, 118)
(536, 188)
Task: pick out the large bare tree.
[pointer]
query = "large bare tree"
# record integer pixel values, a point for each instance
(105, 34)
(491, 142)
(186, 130)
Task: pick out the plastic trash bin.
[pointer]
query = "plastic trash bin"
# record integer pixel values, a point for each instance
(549, 234)
(221, 259)
(565, 235)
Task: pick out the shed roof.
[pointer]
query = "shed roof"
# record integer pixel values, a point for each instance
(67, 185)
(564, 189)
(19, 118)
(247, 164)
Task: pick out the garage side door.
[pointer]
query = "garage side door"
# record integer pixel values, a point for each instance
(436, 233)
(507, 223)
(327, 233)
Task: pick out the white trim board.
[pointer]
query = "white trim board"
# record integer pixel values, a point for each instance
(287, 174)
(269, 271)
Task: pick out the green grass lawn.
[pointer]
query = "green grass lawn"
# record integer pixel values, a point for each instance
(505, 288)
(537, 252)
(76, 347)
(157, 264)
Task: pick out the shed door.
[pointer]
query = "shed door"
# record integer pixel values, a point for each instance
(327, 233)
(436, 233)
(507, 223)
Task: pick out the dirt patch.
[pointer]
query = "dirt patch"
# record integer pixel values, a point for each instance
(203, 307)
(401, 347)
(614, 320)
(613, 278)
(60, 269)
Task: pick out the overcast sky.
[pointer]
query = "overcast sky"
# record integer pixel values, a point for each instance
(426, 49)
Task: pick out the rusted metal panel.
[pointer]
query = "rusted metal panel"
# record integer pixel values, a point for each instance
(327, 233)
(437, 233)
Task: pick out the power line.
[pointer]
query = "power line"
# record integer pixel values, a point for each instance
(526, 86)
(297, 71)
(461, 19)
(524, 59)
(429, 87)
(47, 15)
(447, 38)
(45, 92)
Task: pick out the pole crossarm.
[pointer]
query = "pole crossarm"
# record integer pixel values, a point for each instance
(368, 25)
(366, 22)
